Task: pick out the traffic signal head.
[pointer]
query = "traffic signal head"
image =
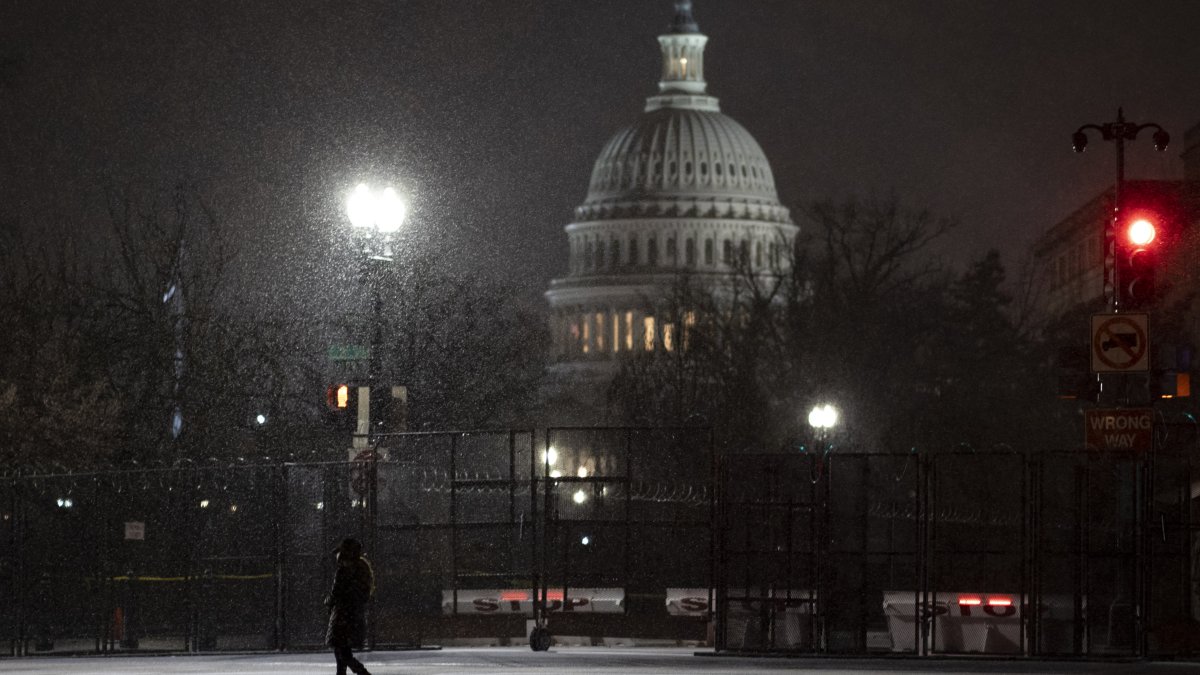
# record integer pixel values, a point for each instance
(1138, 241)
(337, 397)
(341, 405)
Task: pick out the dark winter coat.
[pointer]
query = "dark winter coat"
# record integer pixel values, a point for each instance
(352, 588)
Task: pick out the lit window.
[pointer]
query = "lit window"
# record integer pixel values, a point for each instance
(587, 335)
(683, 67)
(628, 331)
(669, 337)
(599, 331)
(689, 320)
(648, 336)
(616, 341)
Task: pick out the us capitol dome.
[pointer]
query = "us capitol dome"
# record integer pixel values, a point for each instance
(684, 188)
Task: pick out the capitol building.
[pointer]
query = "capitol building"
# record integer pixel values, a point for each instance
(684, 189)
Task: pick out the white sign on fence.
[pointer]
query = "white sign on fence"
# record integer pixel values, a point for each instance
(135, 530)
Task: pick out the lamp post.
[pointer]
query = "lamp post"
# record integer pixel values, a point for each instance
(1118, 132)
(375, 218)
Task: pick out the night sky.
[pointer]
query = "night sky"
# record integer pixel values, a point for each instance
(489, 113)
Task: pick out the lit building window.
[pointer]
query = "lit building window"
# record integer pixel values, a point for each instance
(599, 331)
(587, 335)
(628, 331)
(576, 336)
(616, 333)
(669, 337)
(648, 336)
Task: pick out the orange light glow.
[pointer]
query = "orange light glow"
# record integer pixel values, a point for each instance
(343, 396)
(514, 596)
(999, 602)
(970, 601)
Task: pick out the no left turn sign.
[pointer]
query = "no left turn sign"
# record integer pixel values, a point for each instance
(1120, 343)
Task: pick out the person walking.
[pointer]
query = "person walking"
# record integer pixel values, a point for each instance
(353, 586)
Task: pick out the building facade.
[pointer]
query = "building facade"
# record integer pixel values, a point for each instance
(684, 189)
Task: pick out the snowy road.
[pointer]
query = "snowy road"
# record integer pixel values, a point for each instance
(564, 661)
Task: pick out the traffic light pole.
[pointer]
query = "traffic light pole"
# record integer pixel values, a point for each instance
(1118, 132)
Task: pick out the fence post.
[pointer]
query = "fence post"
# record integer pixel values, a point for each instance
(281, 518)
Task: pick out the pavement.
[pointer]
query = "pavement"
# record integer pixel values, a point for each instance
(558, 661)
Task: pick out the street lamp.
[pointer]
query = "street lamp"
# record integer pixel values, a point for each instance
(822, 418)
(375, 218)
(1118, 132)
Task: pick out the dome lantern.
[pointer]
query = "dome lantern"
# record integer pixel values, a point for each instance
(682, 84)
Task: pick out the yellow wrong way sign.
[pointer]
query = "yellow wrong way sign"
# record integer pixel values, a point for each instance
(1124, 429)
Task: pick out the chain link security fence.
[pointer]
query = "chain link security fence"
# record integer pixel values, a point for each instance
(601, 535)
(1001, 553)
(473, 536)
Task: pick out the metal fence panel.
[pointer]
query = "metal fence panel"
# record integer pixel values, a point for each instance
(972, 552)
(610, 532)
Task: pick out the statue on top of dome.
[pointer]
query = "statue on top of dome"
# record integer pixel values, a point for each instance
(684, 21)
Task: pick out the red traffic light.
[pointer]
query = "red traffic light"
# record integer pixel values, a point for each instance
(1141, 232)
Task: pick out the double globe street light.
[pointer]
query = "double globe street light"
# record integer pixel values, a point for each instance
(376, 218)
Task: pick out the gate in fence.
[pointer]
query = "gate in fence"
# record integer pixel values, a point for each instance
(973, 553)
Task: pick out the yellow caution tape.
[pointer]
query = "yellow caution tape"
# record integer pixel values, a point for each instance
(223, 577)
